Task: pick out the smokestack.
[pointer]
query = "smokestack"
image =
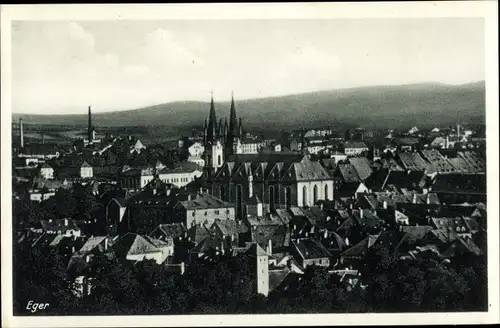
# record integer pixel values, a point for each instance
(43, 138)
(361, 213)
(385, 204)
(106, 243)
(21, 132)
(65, 222)
(89, 129)
(458, 130)
(414, 198)
(270, 247)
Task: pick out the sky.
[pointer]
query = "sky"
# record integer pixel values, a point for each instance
(61, 67)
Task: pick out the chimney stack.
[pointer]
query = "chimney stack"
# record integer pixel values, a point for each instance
(65, 222)
(250, 186)
(414, 198)
(106, 243)
(270, 247)
(21, 132)
(385, 204)
(361, 213)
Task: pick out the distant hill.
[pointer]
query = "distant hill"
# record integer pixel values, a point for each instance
(381, 106)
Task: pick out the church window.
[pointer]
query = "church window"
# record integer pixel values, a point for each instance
(326, 192)
(315, 194)
(304, 196)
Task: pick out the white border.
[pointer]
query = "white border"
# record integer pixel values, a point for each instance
(486, 9)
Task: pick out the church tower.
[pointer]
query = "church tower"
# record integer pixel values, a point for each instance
(232, 133)
(214, 150)
(212, 123)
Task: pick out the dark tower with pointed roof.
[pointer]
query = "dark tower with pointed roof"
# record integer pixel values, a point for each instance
(212, 123)
(232, 134)
(89, 129)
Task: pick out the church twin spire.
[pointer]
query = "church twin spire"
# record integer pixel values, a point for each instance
(228, 132)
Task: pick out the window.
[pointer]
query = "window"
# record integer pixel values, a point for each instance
(216, 211)
(304, 196)
(206, 213)
(193, 213)
(326, 192)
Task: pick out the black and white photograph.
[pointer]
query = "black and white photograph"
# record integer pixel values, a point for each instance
(300, 159)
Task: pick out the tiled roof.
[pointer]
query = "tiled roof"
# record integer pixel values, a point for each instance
(310, 249)
(85, 164)
(474, 160)
(172, 230)
(413, 161)
(438, 163)
(360, 249)
(348, 173)
(184, 167)
(91, 244)
(402, 179)
(204, 201)
(230, 227)
(59, 225)
(355, 144)
(133, 244)
(460, 183)
(210, 243)
(362, 167)
(414, 233)
(40, 149)
(276, 277)
(275, 166)
(198, 233)
(256, 250)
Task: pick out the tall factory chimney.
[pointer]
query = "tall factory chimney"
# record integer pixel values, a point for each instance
(21, 132)
(89, 130)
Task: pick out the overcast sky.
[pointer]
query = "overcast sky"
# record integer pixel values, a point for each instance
(62, 67)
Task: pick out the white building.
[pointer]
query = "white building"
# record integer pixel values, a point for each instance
(248, 146)
(86, 170)
(198, 160)
(355, 148)
(46, 171)
(196, 149)
(137, 147)
(181, 175)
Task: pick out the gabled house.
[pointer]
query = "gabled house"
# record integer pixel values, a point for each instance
(311, 252)
(134, 247)
(64, 227)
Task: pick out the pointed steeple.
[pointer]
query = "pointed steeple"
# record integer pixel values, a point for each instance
(212, 122)
(233, 126)
(89, 129)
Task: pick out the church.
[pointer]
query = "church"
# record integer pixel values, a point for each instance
(277, 180)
